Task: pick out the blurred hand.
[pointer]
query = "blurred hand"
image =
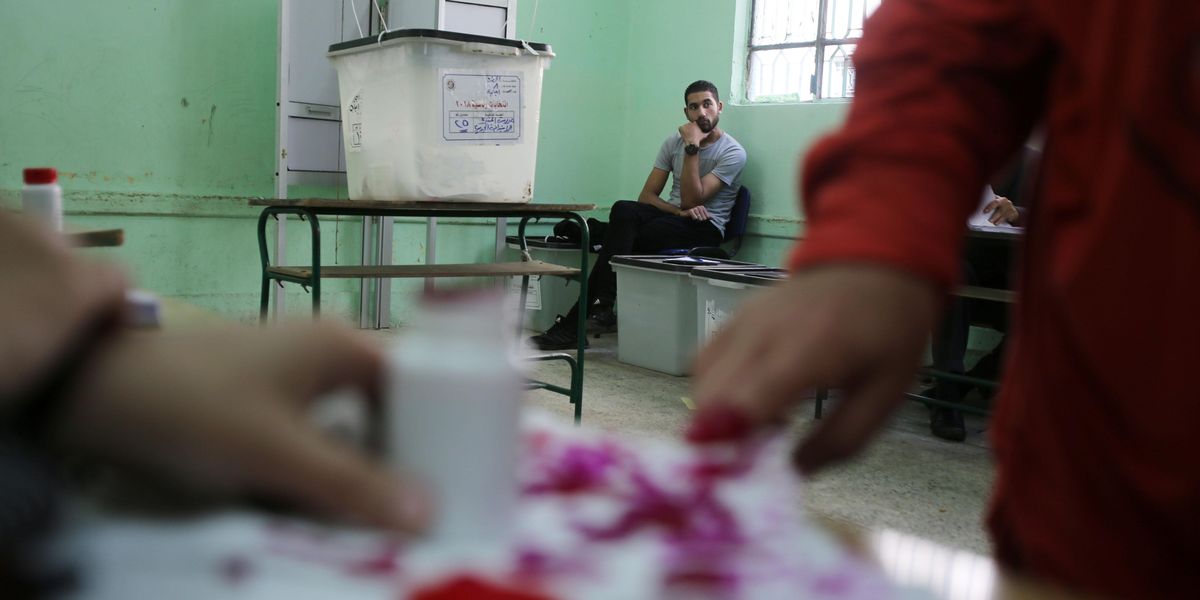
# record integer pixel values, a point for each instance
(698, 213)
(857, 328)
(691, 134)
(52, 296)
(227, 410)
(1002, 211)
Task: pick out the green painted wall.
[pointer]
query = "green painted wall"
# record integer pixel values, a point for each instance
(160, 118)
(160, 115)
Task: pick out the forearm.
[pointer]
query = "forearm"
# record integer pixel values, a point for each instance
(653, 200)
(691, 189)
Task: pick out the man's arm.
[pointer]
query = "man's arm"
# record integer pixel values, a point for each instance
(655, 182)
(886, 199)
(695, 190)
(929, 122)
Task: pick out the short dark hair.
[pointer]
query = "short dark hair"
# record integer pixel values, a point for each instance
(701, 86)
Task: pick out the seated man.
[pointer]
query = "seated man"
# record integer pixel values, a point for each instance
(986, 263)
(705, 165)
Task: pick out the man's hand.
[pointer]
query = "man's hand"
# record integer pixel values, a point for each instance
(1002, 211)
(226, 410)
(691, 134)
(51, 297)
(697, 213)
(857, 328)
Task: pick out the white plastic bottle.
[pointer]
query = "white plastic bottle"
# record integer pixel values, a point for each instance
(453, 405)
(41, 198)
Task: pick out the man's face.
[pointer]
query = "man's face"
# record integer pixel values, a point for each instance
(703, 110)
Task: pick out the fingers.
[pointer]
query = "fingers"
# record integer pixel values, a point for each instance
(295, 461)
(1005, 212)
(853, 422)
(860, 329)
(746, 365)
(1002, 211)
(323, 358)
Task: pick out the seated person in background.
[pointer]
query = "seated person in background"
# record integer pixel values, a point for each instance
(986, 263)
(221, 409)
(705, 165)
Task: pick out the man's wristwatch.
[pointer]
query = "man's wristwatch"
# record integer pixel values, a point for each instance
(691, 149)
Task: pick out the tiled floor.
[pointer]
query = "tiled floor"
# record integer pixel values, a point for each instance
(907, 480)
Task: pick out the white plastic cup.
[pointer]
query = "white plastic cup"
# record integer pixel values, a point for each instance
(41, 198)
(453, 403)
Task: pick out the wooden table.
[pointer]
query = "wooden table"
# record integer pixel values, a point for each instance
(310, 275)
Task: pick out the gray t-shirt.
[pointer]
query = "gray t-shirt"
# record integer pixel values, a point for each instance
(725, 158)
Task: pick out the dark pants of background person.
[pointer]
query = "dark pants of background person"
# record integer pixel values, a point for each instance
(986, 263)
(640, 228)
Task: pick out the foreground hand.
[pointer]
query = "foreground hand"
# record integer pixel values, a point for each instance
(1002, 211)
(691, 134)
(698, 213)
(857, 328)
(51, 296)
(227, 410)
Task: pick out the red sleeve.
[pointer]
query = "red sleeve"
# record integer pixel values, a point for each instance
(946, 91)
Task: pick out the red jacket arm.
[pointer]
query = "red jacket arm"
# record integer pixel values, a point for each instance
(946, 91)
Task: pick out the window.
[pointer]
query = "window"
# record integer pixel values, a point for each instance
(800, 49)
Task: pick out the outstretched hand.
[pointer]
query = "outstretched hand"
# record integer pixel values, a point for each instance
(227, 410)
(857, 328)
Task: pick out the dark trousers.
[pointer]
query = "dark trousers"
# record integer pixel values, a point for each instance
(639, 228)
(987, 263)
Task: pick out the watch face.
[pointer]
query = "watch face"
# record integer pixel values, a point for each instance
(691, 149)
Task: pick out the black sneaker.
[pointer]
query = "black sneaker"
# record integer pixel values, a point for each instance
(560, 336)
(602, 320)
(947, 424)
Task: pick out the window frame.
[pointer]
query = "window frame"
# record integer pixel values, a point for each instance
(818, 45)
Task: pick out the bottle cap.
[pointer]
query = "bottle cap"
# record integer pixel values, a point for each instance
(40, 176)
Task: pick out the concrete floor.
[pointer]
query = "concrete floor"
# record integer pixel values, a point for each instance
(907, 480)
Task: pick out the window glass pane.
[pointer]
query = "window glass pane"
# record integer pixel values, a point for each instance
(838, 72)
(784, 21)
(844, 18)
(782, 75)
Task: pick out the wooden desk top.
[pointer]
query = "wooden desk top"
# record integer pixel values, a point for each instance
(421, 208)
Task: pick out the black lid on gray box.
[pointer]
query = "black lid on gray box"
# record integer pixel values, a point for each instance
(675, 264)
(761, 276)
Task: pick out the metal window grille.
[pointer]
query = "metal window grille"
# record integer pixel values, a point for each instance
(800, 50)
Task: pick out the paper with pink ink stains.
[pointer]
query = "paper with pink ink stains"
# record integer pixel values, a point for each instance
(601, 516)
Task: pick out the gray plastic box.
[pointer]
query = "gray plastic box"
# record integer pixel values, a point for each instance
(554, 295)
(719, 292)
(656, 309)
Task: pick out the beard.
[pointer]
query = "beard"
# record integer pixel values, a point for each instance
(707, 126)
